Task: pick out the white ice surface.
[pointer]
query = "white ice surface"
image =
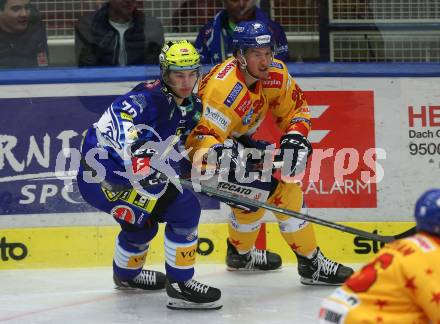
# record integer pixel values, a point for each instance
(88, 296)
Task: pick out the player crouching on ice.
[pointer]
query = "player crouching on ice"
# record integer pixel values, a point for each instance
(236, 95)
(140, 134)
(401, 284)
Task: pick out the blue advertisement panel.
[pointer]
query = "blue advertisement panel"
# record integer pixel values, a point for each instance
(33, 132)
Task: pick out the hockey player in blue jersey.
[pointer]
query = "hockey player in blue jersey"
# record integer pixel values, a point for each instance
(125, 158)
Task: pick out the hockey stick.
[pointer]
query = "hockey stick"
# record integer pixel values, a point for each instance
(409, 232)
(214, 192)
(254, 203)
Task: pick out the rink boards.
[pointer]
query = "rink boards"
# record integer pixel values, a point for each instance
(91, 246)
(376, 145)
(376, 149)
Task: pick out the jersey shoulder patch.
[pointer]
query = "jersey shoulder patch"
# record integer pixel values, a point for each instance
(275, 80)
(277, 65)
(233, 94)
(422, 242)
(217, 118)
(225, 70)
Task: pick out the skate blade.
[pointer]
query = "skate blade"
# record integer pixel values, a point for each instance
(180, 304)
(128, 288)
(251, 270)
(125, 288)
(311, 282)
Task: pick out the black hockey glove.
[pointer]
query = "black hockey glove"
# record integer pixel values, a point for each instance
(227, 156)
(297, 148)
(256, 164)
(249, 142)
(140, 161)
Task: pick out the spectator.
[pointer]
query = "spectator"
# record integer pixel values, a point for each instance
(23, 39)
(214, 41)
(192, 14)
(98, 36)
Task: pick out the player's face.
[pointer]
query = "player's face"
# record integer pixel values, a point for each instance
(183, 82)
(240, 10)
(15, 16)
(258, 62)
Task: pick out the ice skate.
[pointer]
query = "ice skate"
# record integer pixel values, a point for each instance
(255, 259)
(146, 280)
(192, 294)
(320, 270)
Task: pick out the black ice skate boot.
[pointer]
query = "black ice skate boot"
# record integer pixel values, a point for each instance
(322, 271)
(192, 294)
(255, 259)
(146, 280)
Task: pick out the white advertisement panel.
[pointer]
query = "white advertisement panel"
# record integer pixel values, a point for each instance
(406, 136)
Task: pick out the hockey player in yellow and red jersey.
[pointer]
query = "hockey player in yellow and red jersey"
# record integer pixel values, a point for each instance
(236, 95)
(402, 284)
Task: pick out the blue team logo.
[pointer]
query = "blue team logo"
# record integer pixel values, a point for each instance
(277, 65)
(247, 118)
(299, 120)
(111, 132)
(140, 101)
(233, 94)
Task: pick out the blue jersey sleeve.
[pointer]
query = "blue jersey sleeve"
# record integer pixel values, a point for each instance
(281, 44)
(201, 43)
(116, 127)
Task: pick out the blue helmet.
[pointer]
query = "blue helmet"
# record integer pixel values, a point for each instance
(427, 212)
(251, 34)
